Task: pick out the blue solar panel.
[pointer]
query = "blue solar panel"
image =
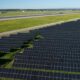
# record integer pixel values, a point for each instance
(38, 75)
(59, 50)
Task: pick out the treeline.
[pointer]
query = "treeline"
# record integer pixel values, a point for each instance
(36, 9)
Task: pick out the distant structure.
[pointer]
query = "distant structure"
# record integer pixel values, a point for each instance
(23, 11)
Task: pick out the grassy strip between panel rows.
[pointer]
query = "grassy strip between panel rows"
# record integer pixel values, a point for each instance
(10, 25)
(7, 59)
(44, 70)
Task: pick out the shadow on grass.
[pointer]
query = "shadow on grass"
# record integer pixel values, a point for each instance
(4, 61)
(8, 57)
(2, 53)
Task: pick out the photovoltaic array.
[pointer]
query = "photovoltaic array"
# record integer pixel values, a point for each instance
(55, 57)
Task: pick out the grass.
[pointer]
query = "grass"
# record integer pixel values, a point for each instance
(9, 65)
(19, 13)
(7, 59)
(4, 62)
(29, 13)
(30, 22)
(2, 53)
(52, 71)
(8, 56)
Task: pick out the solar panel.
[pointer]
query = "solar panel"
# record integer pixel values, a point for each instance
(58, 54)
(39, 75)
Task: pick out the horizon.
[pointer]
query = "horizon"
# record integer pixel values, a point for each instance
(41, 9)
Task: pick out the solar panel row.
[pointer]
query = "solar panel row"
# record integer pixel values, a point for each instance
(14, 41)
(58, 50)
(36, 75)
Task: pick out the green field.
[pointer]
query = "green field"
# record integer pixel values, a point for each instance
(28, 13)
(20, 13)
(37, 12)
(30, 22)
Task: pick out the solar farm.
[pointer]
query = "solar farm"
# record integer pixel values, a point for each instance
(50, 53)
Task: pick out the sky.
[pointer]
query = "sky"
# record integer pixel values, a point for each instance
(38, 4)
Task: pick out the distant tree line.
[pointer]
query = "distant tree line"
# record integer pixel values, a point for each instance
(36, 9)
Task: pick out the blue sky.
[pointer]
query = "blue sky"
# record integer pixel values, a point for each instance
(39, 4)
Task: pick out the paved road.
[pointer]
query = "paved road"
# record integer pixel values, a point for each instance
(21, 17)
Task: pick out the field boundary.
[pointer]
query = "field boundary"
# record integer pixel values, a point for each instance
(26, 30)
(32, 16)
(24, 17)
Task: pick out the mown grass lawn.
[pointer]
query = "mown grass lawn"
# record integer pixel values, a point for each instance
(30, 22)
